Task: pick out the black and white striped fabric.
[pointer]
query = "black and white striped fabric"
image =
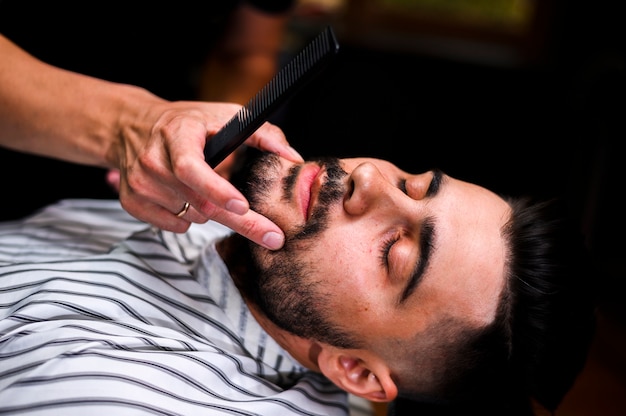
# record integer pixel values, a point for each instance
(103, 315)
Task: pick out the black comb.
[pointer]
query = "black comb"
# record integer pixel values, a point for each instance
(285, 83)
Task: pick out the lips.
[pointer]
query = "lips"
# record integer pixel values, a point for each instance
(308, 184)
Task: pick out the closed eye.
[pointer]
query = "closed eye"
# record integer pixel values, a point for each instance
(388, 244)
(385, 249)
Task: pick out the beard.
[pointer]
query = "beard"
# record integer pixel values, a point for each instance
(258, 176)
(282, 283)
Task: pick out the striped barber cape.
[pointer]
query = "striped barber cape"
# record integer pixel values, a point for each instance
(101, 314)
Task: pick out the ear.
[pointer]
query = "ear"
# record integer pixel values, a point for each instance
(368, 378)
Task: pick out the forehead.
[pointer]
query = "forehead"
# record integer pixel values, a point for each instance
(471, 255)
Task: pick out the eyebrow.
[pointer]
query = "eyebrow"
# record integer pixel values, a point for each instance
(426, 240)
(427, 236)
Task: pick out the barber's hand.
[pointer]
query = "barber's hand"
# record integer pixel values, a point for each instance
(162, 167)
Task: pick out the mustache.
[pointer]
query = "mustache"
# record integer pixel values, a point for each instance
(332, 189)
(256, 175)
(260, 173)
(331, 193)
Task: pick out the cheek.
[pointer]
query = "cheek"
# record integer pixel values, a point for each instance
(347, 269)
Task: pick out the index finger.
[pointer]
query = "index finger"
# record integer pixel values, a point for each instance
(220, 194)
(254, 227)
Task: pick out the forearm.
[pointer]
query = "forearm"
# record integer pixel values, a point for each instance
(52, 112)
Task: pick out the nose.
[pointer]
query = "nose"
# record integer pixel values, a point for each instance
(368, 189)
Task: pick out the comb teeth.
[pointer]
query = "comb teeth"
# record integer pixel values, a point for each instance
(311, 55)
(250, 117)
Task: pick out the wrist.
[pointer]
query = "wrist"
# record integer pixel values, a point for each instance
(132, 121)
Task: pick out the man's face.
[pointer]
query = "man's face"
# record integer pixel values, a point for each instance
(394, 252)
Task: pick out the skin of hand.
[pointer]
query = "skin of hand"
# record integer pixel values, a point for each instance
(157, 146)
(240, 65)
(157, 176)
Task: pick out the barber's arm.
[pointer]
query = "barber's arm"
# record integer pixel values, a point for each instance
(156, 145)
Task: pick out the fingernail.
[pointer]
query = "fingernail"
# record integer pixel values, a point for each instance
(237, 206)
(273, 240)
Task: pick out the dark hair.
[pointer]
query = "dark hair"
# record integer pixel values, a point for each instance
(553, 299)
(538, 343)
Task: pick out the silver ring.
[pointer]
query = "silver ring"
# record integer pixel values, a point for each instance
(183, 211)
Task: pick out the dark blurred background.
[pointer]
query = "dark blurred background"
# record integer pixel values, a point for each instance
(519, 96)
